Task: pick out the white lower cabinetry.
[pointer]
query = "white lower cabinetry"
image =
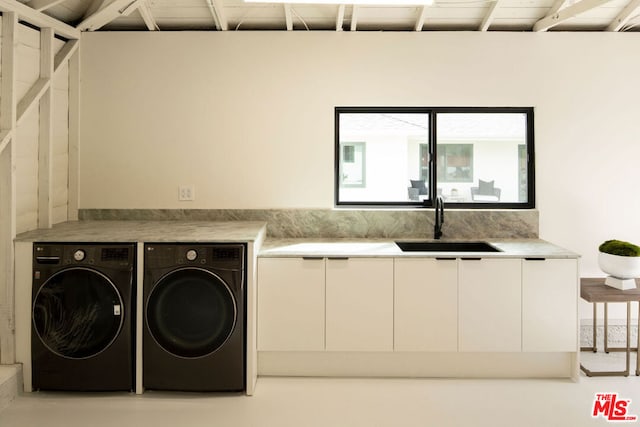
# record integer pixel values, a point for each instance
(413, 316)
(291, 304)
(426, 304)
(489, 305)
(359, 304)
(550, 305)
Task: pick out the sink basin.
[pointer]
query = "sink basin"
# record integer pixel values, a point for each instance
(431, 246)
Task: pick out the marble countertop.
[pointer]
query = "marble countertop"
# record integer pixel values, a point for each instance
(148, 231)
(518, 248)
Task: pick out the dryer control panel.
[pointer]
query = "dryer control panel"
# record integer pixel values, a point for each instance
(228, 256)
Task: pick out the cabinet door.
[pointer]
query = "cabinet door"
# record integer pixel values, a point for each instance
(489, 309)
(426, 304)
(290, 304)
(550, 305)
(359, 304)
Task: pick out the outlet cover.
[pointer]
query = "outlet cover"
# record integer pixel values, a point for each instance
(186, 193)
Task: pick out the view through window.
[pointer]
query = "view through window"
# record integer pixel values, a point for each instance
(472, 157)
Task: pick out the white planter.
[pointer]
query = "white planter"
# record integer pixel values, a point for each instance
(622, 267)
(622, 270)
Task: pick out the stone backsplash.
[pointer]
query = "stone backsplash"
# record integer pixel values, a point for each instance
(350, 223)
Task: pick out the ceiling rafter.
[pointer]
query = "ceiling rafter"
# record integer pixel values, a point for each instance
(105, 15)
(93, 7)
(490, 16)
(624, 16)
(421, 18)
(567, 13)
(41, 5)
(354, 18)
(216, 8)
(147, 16)
(288, 16)
(340, 17)
(559, 4)
(39, 19)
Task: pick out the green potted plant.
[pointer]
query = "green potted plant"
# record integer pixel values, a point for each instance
(621, 261)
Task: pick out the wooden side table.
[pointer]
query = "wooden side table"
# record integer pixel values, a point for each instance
(594, 290)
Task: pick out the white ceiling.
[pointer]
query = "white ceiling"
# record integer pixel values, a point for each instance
(448, 15)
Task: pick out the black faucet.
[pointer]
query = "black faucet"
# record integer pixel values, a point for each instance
(437, 229)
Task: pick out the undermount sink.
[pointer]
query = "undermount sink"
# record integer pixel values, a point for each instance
(431, 246)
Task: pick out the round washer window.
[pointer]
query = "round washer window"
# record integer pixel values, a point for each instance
(78, 313)
(191, 312)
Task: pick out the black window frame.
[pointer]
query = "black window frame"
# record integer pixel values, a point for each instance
(433, 112)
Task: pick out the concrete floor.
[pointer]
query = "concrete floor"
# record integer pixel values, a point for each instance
(284, 402)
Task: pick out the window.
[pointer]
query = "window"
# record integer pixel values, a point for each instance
(472, 157)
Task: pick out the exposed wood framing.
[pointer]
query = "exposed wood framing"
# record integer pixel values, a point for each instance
(145, 11)
(74, 135)
(623, 17)
(5, 138)
(567, 13)
(354, 18)
(217, 12)
(288, 16)
(45, 142)
(93, 7)
(105, 15)
(39, 19)
(340, 17)
(35, 93)
(7, 186)
(41, 5)
(559, 4)
(490, 16)
(421, 18)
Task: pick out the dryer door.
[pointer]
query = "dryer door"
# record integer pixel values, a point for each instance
(191, 312)
(77, 313)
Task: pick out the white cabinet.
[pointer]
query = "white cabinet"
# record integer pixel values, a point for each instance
(489, 306)
(426, 304)
(549, 305)
(359, 304)
(291, 304)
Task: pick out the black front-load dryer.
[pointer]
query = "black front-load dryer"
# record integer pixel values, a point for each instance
(194, 317)
(81, 334)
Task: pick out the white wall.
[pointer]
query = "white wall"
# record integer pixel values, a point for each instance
(248, 117)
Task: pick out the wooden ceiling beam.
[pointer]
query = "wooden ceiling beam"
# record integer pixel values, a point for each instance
(39, 19)
(288, 16)
(354, 18)
(559, 4)
(490, 16)
(216, 8)
(567, 13)
(41, 5)
(145, 11)
(340, 17)
(105, 15)
(421, 18)
(623, 17)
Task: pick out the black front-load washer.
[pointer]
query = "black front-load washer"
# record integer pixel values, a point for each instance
(194, 317)
(83, 308)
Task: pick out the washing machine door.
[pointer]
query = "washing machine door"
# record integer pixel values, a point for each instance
(77, 313)
(191, 312)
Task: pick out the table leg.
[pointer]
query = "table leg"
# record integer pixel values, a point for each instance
(638, 344)
(628, 336)
(606, 327)
(595, 336)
